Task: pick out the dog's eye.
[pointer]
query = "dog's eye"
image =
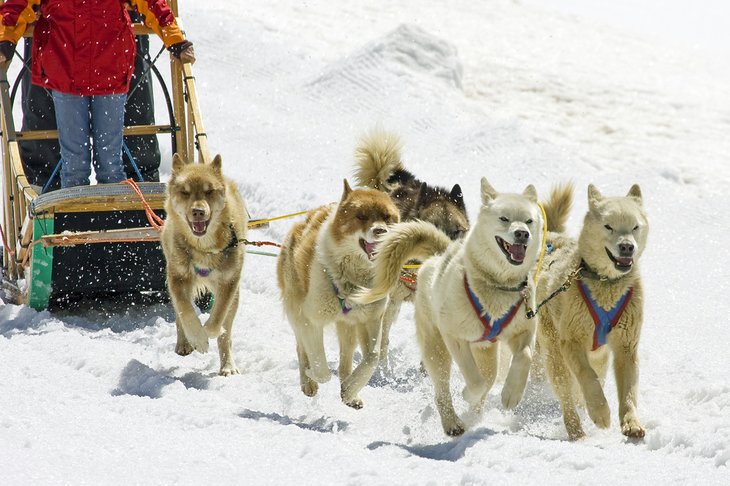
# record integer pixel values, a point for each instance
(185, 193)
(504, 219)
(362, 217)
(608, 227)
(529, 221)
(636, 227)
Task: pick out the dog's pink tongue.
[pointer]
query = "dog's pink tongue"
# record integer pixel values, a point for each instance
(517, 252)
(369, 248)
(625, 261)
(199, 226)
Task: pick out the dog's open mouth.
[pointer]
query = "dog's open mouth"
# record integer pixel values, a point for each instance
(368, 248)
(515, 253)
(199, 228)
(622, 264)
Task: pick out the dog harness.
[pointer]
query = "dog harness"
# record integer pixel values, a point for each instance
(202, 272)
(604, 320)
(341, 299)
(492, 329)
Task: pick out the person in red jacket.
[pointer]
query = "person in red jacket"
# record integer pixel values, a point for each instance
(83, 51)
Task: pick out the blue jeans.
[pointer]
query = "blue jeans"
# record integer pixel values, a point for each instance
(80, 118)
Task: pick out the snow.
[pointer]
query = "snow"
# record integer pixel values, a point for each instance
(532, 91)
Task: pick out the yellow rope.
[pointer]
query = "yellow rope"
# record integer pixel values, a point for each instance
(544, 241)
(257, 222)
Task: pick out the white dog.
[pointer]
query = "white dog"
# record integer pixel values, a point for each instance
(470, 296)
(600, 314)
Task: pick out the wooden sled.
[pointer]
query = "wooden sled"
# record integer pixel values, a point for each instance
(91, 242)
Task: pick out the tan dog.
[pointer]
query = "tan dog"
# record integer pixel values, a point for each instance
(202, 242)
(469, 296)
(378, 165)
(601, 313)
(323, 260)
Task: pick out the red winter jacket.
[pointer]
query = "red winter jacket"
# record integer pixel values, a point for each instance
(85, 47)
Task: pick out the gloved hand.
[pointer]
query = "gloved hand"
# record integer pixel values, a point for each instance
(183, 51)
(7, 49)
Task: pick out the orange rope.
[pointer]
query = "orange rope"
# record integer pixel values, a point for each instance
(155, 221)
(260, 243)
(5, 243)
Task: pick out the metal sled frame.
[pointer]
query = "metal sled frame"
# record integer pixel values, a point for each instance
(57, 240)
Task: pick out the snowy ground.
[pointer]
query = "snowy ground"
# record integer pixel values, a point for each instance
(532, 91)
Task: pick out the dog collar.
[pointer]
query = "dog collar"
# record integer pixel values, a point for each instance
(603, 320)
(492, 328)
(203, 272)
(589, 273)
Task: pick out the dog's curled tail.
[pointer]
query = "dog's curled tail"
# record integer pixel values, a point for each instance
(557, 208)
(377, 156)
(405, 241)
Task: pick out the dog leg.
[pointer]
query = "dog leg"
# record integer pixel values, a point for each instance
(626, 369)
(516, 381)
(312, 340)
(392, 310)
(560, 378)
(437, 361)
(228, 366)
(347, 338)
(224, 295)
(187, 320)
(487, 359)
(476, 387)
(309, 387)
(370, 345)
(596, 403)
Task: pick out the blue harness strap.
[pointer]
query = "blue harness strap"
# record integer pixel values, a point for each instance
(343, 304)
(604, 320)
(492, 329)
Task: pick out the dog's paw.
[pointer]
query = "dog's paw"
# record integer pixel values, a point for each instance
(474, 396)
(213, 331)
(355, 403)
(511, 397)
(310, 387)
(228, 370)
(183, 348)
(320, 375)
(199, 339)
(454, 428)
(633, 428)
(599, 412)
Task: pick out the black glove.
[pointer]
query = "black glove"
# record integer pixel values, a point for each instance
(7, 49)
(176, 49)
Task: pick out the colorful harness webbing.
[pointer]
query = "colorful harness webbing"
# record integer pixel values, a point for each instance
(492, 329)
(342, 302)
(604, 320)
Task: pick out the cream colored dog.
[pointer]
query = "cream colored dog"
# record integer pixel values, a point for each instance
(601, 313)
(206, 223)
(469, 296)
(324, 259)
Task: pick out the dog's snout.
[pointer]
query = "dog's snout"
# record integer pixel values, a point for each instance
(626, 248)
(522, 236)
(198, 213)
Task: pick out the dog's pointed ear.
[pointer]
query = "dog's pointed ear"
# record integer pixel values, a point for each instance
(594, 196)
(422, 195)
(217, 164)
(457, 196)
(530, 193)
(177, 162)
(635, 192)
(346, 189)
(488, 192)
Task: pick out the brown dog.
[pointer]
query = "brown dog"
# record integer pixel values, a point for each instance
(206, 223)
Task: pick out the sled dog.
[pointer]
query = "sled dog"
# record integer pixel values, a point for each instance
(600, 313)
(470, 296)
(201, 240)
(324, 259)
(379, 166)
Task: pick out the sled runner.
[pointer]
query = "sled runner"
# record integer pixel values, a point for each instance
(90, 241)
